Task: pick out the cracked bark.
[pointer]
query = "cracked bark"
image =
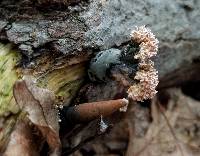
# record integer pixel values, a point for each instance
(73, 28)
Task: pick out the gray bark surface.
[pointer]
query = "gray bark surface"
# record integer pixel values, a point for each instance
(80, 27)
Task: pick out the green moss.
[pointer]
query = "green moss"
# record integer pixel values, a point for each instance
(64, 81)
(8, 76)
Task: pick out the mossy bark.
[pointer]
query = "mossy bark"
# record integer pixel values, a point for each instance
(64, 80)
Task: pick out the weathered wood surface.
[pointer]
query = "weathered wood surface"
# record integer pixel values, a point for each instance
(73, 27)
(60, 37)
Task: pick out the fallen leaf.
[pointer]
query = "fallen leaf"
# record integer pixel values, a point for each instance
(38, 103)
(21, 141)
(172, 130)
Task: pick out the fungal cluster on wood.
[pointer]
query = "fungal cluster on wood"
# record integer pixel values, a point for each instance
(142, 86)
(37, 100)
(145, 79)
(146, 74)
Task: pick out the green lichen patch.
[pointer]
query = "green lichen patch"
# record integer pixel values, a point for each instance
(8, 75)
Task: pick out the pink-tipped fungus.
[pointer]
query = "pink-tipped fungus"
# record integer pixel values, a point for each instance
(146, 74)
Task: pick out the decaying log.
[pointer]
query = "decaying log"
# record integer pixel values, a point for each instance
(93, 25)
(54, 42)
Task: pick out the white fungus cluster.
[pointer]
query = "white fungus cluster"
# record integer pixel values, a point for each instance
(148, 43)
(146, 74)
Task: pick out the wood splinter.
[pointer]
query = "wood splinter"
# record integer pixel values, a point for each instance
(89, 111)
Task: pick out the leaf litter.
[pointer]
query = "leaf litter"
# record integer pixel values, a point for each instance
(163, 128)
(38, 103)
(168, 127)
(174, 130)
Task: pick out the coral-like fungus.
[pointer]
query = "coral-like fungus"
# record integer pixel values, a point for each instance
(146, 74)
(148, 43)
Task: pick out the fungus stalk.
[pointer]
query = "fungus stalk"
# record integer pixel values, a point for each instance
(147, 76)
